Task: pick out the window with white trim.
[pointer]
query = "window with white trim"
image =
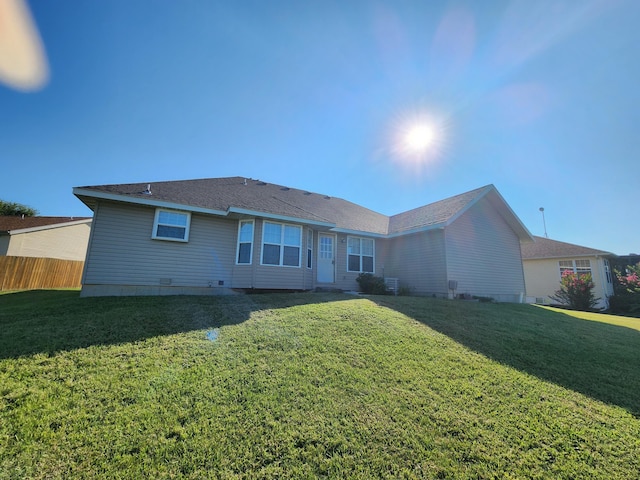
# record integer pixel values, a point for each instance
(309, 248)
(281, 244)
(360, 254)
(171, 225)
(245, 242)
(581, 267)
(607, 271)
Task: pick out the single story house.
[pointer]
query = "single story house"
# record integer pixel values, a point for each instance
(64, 238)
(207, 236)
(544, 260)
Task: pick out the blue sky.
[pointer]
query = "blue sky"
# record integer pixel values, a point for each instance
(539, 98)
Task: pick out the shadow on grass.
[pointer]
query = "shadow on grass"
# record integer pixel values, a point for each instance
(48, 321)
(597, 359)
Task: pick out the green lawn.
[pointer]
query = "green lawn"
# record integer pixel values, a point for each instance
(313, 386)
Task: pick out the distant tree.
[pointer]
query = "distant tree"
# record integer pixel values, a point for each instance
(16, 209)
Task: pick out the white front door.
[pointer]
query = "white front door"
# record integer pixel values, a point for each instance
(326, 259)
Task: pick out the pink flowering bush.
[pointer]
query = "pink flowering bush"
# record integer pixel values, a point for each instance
(576, 291)
(629, 282)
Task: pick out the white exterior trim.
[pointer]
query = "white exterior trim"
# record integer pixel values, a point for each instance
(18, 231)
(143, 201)
(282, 245)
(280, 218)
(253, 237)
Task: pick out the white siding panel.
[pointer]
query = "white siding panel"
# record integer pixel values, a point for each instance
(483, 254)
(122, 251)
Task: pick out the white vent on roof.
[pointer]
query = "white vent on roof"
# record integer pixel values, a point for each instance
(148, 190)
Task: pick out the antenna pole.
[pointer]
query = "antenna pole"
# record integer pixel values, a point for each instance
(544, 223)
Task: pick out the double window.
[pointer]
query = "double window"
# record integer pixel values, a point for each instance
(360, 254)
(171, 225)
(281, 244)
(245, 242)
(580, 267)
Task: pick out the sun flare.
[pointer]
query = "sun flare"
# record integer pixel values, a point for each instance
(419, 137)
(418, 140)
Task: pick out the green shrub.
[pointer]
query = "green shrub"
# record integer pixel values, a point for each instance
(625, 304)
(483, 299)
(404, 290)
(371, 284)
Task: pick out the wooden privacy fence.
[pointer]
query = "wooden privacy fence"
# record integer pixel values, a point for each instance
(24, 273)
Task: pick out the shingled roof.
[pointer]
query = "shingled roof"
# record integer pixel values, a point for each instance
(243, 196)
(11, 224)
(546, 248)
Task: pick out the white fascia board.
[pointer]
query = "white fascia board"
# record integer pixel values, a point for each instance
(71, 223)
(570, 256)
(146, 201)
(528, 237)
(515, 224)
(460, 212)
(282, 218)
(359, 233)
(437, 226)
(426, 228)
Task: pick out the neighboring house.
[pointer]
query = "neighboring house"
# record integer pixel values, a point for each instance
(210, 235)
(63, 238)
(544, 261)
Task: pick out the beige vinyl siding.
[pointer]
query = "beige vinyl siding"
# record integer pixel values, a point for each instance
(418, 261)
(65, 243)
(346, 280)
(542, 279)
(277, 277)
(243, 275)
(309, 273)
(483, 254)
(123, 253)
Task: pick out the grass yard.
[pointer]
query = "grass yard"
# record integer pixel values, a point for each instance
(313, 386)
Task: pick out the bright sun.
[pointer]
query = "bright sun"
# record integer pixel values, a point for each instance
(418, 138)
(417, 141)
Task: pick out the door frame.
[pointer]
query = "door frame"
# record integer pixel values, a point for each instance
(334, 238)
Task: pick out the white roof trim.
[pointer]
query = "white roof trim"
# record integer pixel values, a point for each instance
(144, 201)
(284, 218)
(485, 191)
(359, 233)
(570, 256)
(71, 223)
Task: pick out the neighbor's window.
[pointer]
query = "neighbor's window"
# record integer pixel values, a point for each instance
(581, 267)
(607, 270)
(309, 247)
(360, 254)
(281, 244)
(245, 242)
(171, 225)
